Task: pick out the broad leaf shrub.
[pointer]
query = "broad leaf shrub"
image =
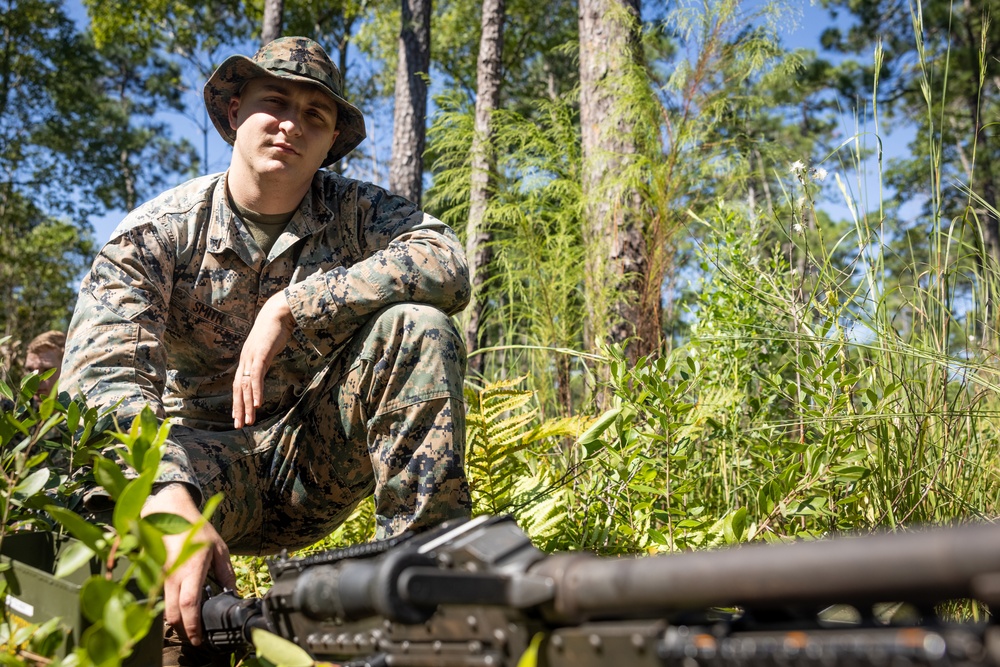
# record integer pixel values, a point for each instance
(49, 448)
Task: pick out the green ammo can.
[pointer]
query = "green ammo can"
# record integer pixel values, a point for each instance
(35, 595)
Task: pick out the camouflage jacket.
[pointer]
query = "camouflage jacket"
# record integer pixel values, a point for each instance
(164, 311)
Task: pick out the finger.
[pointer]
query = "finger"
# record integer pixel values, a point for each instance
(189, 599)
(257, 374)
(246, 394)
(171, 608)
(225, 575)
(238, 398)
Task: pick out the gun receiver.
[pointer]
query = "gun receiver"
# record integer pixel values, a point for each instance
(476, 592)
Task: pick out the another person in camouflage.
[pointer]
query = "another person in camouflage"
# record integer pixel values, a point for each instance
(292, 323)
(45, 352)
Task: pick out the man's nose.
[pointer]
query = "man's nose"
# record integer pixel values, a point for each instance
(291, 124)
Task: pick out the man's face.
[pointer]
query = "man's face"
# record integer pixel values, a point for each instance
(283, 127)
(41, 362)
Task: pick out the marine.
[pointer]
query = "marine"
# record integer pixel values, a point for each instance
(292, 323)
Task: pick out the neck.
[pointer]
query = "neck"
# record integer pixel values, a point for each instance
(269, 194)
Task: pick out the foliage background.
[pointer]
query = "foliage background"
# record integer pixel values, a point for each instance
(818, 367)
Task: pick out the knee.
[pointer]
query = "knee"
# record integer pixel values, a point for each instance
(416, 349)
(423, 329)
(417, 321)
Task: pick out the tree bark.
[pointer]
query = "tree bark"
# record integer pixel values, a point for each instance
(622, 299)
(406, 169)
(273, 13)
(478, 236)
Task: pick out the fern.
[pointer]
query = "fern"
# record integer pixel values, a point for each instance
(497, 421)
(518, 467)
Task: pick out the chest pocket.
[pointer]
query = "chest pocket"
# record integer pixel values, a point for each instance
(203, 340)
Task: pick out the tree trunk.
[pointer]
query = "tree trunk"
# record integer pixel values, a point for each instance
(406, 169)
(478, 236)
(622, 299)
(273, 12)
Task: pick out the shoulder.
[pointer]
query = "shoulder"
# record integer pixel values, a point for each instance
(173, 206)
(339, 192)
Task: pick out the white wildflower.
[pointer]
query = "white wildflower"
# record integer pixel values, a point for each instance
(797, 228)
(797, 167)
(820, 174)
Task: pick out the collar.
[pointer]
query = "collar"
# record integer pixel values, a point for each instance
(227, 232)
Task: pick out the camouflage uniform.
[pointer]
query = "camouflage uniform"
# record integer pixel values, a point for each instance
(366, 396)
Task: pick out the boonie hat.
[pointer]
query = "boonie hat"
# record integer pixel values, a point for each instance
(295, 59)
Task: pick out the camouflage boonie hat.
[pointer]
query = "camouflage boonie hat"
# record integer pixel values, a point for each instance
(295, 59)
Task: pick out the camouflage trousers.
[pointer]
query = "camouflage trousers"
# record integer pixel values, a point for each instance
(385, 416)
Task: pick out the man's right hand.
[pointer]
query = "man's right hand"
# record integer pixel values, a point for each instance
(182, 590)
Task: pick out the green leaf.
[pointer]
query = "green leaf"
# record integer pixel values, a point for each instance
(734, 526)
(87, 533)
(6, 430)
(37, 459)
(597, 429)
(645, 488)
(138, 622)
(129, 542)
(6, 391)
(170, 524)
(148, 575)
(89, 419)
(130, 503)
(29, 386)
(151, 460)
(48, 637)
(279, 650)
(146, 434)
(109, 476)
(187, 551)
(211, 505)
(72, 416)
(658, 537)
(72, 558)
(32, 484)
(52, 422)
(151, 539)
(21, 635)
(94, 596)
(48, 403)
(101, 646)
(115, 618)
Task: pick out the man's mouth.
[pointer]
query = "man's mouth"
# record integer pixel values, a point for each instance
(285, 148)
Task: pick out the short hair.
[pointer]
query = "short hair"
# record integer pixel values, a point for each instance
(50, 340)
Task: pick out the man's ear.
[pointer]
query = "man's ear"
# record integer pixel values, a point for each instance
(234, 107)
(336, 133)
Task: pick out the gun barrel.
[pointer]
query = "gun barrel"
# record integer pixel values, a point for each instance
(920, 567)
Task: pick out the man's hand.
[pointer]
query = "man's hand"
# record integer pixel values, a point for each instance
(268, 337)
(182, 590)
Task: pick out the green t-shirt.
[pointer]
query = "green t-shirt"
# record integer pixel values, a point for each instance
(265, 228)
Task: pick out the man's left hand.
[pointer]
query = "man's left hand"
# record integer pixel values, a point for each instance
(268, 337)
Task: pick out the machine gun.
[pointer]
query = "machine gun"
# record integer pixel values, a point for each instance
(476, 593)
